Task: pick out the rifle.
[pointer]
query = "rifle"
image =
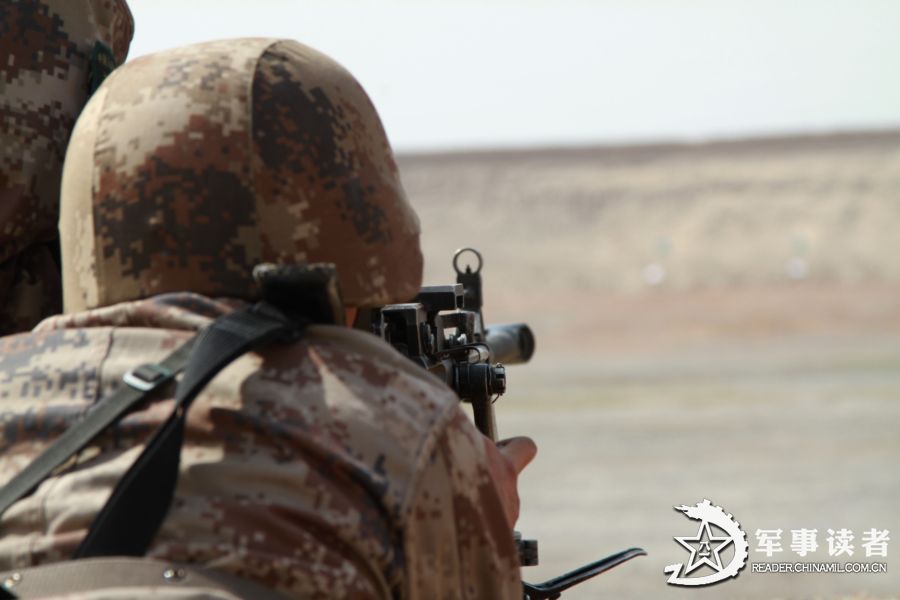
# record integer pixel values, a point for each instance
(443, 331)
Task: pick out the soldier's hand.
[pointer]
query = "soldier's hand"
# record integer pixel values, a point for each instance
(506, 460)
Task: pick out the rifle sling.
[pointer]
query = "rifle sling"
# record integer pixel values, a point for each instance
(129, 520)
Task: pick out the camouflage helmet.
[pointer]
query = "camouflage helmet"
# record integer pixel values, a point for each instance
(52, 52)
(189, 167)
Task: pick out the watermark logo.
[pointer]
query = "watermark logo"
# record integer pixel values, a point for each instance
(718, 538)
(840, 544)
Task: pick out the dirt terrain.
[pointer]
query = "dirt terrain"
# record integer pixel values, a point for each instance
(714, 321)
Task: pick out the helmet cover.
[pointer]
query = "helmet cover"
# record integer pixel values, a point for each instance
(191, 166)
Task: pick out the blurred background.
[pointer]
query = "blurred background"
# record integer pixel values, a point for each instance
(696, 205)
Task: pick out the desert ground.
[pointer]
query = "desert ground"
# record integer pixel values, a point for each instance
(716, 320)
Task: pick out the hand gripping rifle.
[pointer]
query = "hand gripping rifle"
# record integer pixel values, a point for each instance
(443, 331)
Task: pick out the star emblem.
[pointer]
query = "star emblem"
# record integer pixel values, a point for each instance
(702, 550)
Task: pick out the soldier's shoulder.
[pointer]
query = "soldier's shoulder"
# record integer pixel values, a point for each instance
(60, 352)
(347, 368)
(349, 392)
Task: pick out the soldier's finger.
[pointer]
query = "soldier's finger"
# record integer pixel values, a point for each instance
(519, 451)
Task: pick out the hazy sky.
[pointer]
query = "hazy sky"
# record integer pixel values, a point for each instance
(496, 73)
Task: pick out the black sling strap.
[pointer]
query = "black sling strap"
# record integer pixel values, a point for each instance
(141, 382)
(296, 295)
(134, 512)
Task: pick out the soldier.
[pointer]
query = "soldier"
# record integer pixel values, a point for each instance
(332, 467)
(52, 52)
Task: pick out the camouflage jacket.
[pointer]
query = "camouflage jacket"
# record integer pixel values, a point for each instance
(49, 51)
(328, 468)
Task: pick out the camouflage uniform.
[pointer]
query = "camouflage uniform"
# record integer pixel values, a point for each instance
(332, 468)
(46, 48)
(328, 468)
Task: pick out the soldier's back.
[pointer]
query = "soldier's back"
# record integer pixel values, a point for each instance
(332, 467)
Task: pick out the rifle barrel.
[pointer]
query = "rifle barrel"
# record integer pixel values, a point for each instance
(510, 344)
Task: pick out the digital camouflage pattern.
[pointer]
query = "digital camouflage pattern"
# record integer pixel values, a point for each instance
(328, 468)
(45, 52)
(189, 167)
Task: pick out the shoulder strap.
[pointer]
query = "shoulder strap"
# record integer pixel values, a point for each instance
(134, 512)
(140, 383)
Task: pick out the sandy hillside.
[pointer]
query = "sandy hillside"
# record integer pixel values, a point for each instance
(715, 320)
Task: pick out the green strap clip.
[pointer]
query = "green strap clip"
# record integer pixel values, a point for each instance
(101, 63)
